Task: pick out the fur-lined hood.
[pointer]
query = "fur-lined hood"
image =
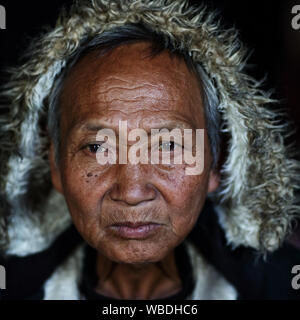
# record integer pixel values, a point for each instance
(256, 199)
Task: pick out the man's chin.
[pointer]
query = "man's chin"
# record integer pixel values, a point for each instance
(138, 253)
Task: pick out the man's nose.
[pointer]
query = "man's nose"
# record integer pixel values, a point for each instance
(132, 185)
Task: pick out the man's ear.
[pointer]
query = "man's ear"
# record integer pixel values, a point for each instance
(55, 173)
(214, 181)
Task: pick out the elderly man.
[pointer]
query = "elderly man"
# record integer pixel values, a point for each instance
(153, 65)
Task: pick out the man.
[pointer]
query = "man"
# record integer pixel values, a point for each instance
(153, 65)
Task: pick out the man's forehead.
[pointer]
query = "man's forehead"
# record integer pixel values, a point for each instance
(132, 92)
(129, 66)
(125, 81)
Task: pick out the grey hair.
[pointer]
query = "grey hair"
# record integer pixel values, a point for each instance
(131, 33)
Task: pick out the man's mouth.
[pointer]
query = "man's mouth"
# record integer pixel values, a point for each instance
(136, 230)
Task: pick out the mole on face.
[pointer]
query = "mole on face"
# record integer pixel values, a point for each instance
(89, 174)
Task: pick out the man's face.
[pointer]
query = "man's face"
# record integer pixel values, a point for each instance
(106, 200)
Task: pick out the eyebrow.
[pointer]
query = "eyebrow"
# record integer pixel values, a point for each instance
(91, 127)
(169, 125)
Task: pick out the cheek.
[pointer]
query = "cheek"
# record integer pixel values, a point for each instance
(183, 191)
(185, 196)
(81, 176)
(83, 193)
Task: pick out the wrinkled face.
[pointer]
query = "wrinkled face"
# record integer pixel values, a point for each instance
(131, 213)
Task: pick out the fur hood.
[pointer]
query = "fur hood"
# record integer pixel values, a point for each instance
(256, 200)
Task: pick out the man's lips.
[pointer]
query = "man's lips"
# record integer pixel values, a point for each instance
(136, 230)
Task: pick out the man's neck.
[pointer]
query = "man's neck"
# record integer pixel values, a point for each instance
(143, 281)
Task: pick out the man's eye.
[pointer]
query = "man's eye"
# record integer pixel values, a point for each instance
(168, 146)
(95, 147)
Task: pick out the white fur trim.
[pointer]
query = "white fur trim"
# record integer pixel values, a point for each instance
(239, 228)
(63, 284)
(210, 285)
(28, 235)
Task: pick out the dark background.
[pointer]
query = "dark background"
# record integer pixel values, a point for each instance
(264, 25)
